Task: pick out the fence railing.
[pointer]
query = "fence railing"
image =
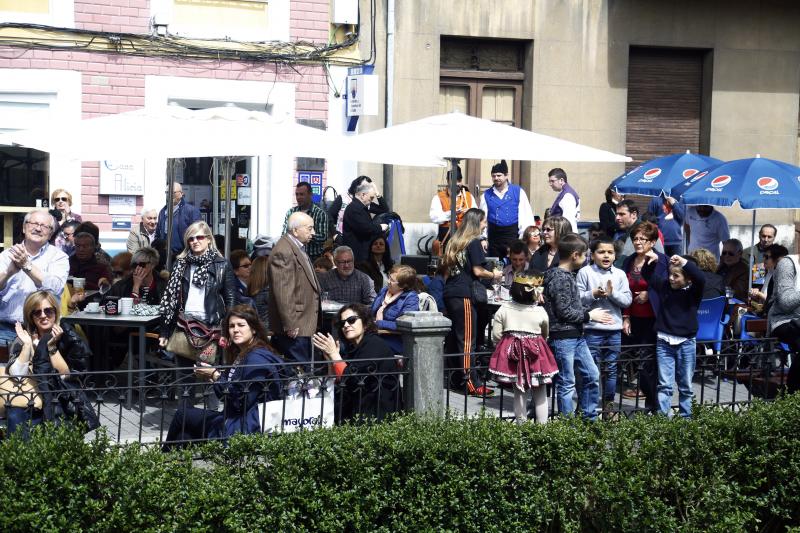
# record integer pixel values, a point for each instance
(741, 371)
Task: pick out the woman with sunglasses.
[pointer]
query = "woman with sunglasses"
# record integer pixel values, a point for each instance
(532, 236)
(201, 286)
(42, 346)
(253, 374)
(141, 284)
(61, 201)
(364, 365)
(553, 228)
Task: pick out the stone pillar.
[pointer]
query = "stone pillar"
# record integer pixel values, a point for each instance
(423, 346)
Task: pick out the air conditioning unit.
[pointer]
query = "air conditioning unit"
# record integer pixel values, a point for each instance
(345, 12)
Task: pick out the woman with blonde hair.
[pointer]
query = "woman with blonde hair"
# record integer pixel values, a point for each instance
(45, 347)
(200, 290)
(715, 283)
(464, 259)
(61, 201)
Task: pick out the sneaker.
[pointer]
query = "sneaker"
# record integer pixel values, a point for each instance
(482, 391)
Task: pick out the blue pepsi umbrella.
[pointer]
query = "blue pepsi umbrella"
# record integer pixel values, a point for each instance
(658, 176)
(756, 183)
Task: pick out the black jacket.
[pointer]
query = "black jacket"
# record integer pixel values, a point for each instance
(369, 386)
(71, 346)
(539, 259)
(220, 291)
(358, 230)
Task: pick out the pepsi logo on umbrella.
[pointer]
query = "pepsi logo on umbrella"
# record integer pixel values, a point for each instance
(718, 183)
(768, 185)
(689, 172)
(650, 175)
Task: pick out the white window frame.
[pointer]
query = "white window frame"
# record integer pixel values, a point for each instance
(161, 11)
(61, 14)
(65, 173)
(271, 198)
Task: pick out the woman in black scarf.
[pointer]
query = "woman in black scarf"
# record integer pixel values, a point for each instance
(201, 287)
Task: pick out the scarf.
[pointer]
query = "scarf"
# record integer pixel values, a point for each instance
(172, 294)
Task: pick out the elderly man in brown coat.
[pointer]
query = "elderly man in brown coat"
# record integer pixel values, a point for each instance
(294, 306)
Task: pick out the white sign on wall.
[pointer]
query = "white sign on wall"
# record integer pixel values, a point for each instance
(122, 177)
(121, 205)
(362, 95)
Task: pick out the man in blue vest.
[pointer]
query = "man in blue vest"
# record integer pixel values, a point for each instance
(507, 209)
(567, 204)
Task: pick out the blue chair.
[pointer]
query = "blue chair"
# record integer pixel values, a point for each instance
(711, 318)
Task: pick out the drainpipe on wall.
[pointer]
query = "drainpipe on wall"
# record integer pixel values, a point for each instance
(388, 170)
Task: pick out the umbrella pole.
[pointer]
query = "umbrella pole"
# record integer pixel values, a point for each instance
(228, 166)
(453, 193)
(752, 253)
(171, 166)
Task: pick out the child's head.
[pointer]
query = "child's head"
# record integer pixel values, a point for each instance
(677, 277)
(572, 251)
(595, 231)
(603, 252)
(526, 287)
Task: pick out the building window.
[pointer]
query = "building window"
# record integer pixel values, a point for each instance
(58, 13)
(482, 78)
(239, 20)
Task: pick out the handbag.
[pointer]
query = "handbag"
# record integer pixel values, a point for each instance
(479, 293)
(195, 340)
(310, 408)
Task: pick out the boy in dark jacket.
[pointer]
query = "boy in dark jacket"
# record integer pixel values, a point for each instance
(676, 327)
(567, 316)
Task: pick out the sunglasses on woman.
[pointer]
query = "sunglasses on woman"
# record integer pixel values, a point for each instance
(349, 320)
(198, 238)
(61, 199)
(49, 312)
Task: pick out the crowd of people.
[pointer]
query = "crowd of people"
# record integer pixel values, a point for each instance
(573, 302)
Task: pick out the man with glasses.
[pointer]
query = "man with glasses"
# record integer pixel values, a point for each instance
(567, 204)
(294, 302)
(358, 228)
(303, 196)
(68, 237)
(27, 267)
(242, 265)
(183, 215)
(344, 283)
(733, 268)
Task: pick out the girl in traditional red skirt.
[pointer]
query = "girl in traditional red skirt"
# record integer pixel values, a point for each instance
(522, 357)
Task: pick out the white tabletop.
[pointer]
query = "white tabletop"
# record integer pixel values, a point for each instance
(82, 317)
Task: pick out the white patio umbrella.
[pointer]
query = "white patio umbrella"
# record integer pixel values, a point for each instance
(172, 132)
(456, 136)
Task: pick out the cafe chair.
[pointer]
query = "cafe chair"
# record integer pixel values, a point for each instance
(711, 320)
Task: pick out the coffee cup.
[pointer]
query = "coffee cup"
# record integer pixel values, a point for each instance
(125, 305)
(93, 307)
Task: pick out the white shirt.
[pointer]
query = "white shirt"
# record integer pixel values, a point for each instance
(524, 211)
(439, 215)
(51, 261)
(571, 210)
(196, 299)
(706, 232)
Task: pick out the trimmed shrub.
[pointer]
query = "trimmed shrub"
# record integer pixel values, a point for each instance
(720, 471)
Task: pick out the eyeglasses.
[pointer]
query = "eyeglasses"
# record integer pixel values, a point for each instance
(61, 199)
(198, 238)
(49, 312)
(344, 261)
(141, 264)
(393, 281)
(39, 225)
(245, 265)
(349, 321)
(640, 239)
(545, 229)
(727, 252)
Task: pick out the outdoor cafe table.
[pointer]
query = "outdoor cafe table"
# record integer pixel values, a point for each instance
(123, 321)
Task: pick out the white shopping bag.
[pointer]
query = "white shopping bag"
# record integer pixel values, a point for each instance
(309, 406)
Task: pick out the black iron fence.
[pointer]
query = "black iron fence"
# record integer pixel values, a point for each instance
(730, 375)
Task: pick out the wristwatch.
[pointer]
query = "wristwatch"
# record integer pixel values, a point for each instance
(27, 267)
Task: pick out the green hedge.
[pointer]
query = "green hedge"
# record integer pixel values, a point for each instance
(720, 471)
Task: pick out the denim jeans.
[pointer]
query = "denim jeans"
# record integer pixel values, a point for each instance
(675, 364)
(7, 333)
(573, 355)
(605, 347)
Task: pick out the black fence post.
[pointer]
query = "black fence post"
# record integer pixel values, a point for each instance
(423, 347)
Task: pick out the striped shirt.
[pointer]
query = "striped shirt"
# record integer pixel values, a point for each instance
(316, 245)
